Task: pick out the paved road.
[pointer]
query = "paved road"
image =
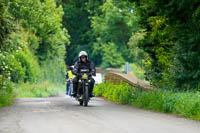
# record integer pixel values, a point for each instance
(63, 115)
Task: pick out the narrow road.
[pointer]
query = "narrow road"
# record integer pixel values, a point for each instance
(63, 115)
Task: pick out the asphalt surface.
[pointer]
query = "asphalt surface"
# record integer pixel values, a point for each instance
(63, 115)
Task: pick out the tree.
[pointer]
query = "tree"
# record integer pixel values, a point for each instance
(172, 41)
(114, 21)
(76, 20)
(47, 38)
(108, 54)
(135, 40)
(44, 20)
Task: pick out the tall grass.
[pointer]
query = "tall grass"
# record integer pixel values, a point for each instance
(6, 93)
(43, 89)
(184, 104)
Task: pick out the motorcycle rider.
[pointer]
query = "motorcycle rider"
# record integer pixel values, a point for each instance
(83, 63)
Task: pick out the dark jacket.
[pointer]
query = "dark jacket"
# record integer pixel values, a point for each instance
(84, 65)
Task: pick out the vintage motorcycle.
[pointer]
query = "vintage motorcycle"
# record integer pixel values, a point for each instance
(83, 88)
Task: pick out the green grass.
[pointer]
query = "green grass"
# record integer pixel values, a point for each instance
(10, 91)
(6, 99)
(184, 104)
(6, 93)
(43, 89)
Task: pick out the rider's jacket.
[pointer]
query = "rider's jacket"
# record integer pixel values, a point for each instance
(70, 75)
(84, 65)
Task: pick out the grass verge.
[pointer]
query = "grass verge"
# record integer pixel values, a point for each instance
(184, 104)
(43, 89)
(6, 93)
(9, 91)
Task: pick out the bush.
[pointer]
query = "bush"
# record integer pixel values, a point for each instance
(188, 105)
(116, 93)
(10, 67)
(17, 59)
(183, 104)
(149, 100)
(30, 65)
(6, 92)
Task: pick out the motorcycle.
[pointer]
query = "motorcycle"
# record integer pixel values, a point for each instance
(83, 88)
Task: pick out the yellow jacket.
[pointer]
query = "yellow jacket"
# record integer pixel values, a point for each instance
(70, 75)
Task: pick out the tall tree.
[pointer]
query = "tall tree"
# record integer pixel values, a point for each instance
(76, 21)
(113, 23)
(173, 31)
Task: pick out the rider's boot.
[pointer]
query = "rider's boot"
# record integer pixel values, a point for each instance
(73, 94)
(91, 95)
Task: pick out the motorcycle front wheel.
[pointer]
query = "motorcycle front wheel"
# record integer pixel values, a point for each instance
(81, 103)
(86, 96)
